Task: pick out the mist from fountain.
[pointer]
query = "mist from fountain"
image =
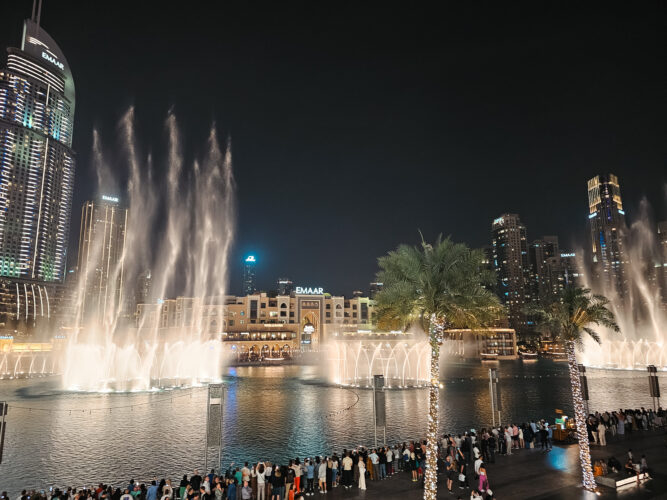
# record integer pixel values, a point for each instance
(181, 227)
(641, 314)
(403, 363)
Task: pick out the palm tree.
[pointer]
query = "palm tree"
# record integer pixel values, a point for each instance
(437, 287)
(568, 318)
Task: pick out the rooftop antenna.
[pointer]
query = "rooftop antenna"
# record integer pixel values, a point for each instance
(39, 11)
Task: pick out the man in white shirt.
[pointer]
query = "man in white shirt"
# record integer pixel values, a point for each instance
(375, 460)
(347, 471)
(390, 461)
(478, 464)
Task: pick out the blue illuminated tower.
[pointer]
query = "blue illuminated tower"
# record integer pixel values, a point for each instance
(36, 158)
(249, 275)
(606, 220)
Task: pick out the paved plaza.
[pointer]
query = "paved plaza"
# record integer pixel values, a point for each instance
(532, 474)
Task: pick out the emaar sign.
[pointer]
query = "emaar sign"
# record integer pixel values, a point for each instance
(53, 60)
(309, 291)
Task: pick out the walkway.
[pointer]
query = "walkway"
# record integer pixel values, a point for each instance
(532, 474)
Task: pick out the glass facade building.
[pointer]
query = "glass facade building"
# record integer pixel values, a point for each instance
(510, 261)
(249, 286)
(36, 158)
(101, 254)
(606, 219)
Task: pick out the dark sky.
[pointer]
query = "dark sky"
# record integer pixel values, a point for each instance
(354, 125)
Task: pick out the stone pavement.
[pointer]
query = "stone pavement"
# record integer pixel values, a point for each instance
(533, 474)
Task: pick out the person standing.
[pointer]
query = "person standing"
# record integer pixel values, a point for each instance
(347, 471)
(383, 463)
(289, 478)
(278, 483)
(362, 474)
(310, 477)
(375, 461)
(322, 476)
(390, 461)
(151, 494)
(231, 489)
(602, 431)
(508, 440)
(483, 481)
(334, 471)
(298, 472)
(246, 491)
(260, 473)
(195, 480)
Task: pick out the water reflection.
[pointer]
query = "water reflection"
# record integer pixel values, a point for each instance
(272, 413)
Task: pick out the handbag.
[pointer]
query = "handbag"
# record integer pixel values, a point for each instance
(462, 477)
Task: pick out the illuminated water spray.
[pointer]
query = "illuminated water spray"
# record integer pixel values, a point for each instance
(640, 315)
(180, 226)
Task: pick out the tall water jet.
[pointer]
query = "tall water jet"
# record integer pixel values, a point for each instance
(640, 311)
(402, 362)
(180, 227)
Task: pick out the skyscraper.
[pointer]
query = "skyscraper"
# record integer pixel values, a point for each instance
(101, 246)
(662, 271)
(545, 269)
(36, 158)
(373, 288)
(606, 219)
(285, 286)
(510, 261)
(570, 269)
(249, 275)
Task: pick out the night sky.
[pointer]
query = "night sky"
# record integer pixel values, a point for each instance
(353, 126)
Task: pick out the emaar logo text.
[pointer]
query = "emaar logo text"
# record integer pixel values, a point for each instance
(53, 60)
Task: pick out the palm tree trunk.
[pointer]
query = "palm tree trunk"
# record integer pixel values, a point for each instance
(580, 419)
(431, 476)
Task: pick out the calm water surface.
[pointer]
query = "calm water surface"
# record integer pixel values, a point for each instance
(63, 438)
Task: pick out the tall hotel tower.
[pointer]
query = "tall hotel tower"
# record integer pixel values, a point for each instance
(36, 158)
(100, 265)
(606, 219)
(510, 261)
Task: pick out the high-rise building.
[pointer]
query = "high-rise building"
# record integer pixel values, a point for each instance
(249, 275)
(374, 288)
(36, 158)
(142, 290)
(607, 225)
(545, 269)
(100, 264)
(570, 269)
(510, 261)
(662, 242)
(285, 286)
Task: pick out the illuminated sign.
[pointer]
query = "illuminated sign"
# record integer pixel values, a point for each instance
(110, 198)
(565, 255)
(250, 258)
(592, 215)
(621, 212)
(309, 291)
(499, 220)
(53, 60)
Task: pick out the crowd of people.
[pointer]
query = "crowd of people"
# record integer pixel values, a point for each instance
(462, 462)
(622, 422)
